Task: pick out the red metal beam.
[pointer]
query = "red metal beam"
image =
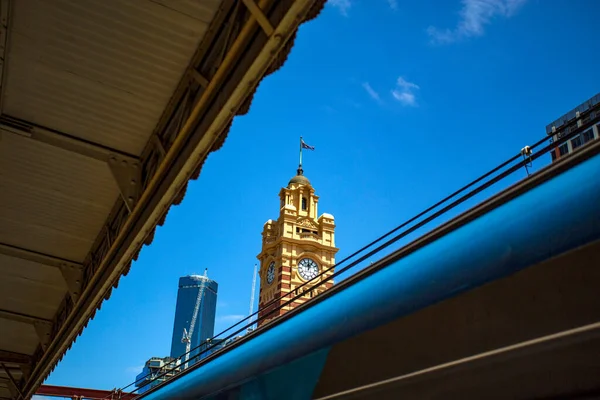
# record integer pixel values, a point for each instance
(81, 393)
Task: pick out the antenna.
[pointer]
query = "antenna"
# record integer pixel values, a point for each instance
(250, 328)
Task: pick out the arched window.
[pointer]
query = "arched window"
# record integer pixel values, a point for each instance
(304, 204)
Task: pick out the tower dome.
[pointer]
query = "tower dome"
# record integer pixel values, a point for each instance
(299, 179)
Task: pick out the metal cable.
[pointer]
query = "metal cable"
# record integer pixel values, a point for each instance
(383, 246)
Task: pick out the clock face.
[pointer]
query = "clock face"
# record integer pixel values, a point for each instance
(307, 269)
(271, 272)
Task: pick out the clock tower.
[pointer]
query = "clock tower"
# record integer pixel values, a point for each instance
(296, 248)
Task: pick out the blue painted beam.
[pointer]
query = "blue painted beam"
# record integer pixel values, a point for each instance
(558, 215)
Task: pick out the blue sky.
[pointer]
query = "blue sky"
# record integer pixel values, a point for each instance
(405, 101)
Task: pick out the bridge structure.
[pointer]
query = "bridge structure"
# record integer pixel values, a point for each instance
(499, 302)
(73, 393)
(107, 110)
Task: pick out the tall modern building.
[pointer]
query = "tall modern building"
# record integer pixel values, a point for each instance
(194, 315)
(584, 120)
(197, 296)
(296, 248)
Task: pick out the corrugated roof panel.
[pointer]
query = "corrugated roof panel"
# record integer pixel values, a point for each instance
(47, 240)
(53, 201)
(193, 8)
(4, 390)
(18, 337)
(30, 288)
(99, 71)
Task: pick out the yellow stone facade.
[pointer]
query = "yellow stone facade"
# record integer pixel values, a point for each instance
(297, 246)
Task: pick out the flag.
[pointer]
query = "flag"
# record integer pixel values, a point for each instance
(307, 147)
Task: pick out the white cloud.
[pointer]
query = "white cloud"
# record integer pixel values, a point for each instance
(474, 15)
(372, 92)
(405, 98)
(232, 318)
(393, 4)
(406, 85)
(404, 92)
(342, 5)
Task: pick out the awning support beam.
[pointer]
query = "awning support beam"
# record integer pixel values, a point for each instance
(14, 358)
(260, 16)
(198, 77)
(72, 272)
(27, 319)
(60, 140)
(42, 326)
(34, 256)
(127, 175)
(13, 390)
(123, 166)
(12, 380)
(14, 394)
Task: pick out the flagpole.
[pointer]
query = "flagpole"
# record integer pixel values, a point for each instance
(300, 165)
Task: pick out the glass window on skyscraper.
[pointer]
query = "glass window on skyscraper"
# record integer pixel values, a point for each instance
(576, 142)
(563, 149)
(588, 135)
(194, 316)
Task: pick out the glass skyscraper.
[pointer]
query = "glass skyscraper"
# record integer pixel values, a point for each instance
(195, 292)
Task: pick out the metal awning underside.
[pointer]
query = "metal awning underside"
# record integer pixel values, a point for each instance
(108, 108)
